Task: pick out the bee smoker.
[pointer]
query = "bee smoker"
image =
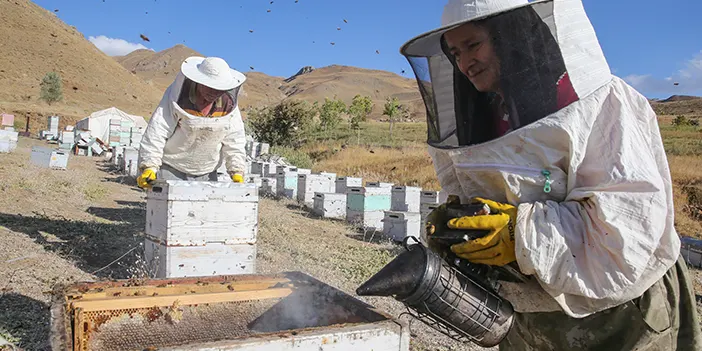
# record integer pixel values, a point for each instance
(451, 295)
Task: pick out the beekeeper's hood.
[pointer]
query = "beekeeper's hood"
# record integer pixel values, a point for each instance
(212, 72)
(545, 53)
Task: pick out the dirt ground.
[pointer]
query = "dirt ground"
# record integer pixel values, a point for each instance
(86, 223)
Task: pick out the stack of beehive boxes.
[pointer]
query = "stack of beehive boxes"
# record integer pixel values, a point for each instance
(404, 217)
(309, 184)
(366, 206)
(53, 126)
(129, 163)
(333, 204)
(201, 228)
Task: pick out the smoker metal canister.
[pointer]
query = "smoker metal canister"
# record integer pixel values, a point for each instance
(442, 297)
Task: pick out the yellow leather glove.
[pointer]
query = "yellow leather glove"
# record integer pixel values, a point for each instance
(436, 222)
(148, 175)
(237, 178)
(496, 248)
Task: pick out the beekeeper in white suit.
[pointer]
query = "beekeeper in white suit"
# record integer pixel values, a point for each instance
(196, 126)
(525, 116)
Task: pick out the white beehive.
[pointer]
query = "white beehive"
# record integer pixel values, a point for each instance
(379, 185)
(257, 168)
(308, 184)
(49, 158)
(342, 183)
(398, 225)
(182, 213)
(330, 205)
(198, 261)
(264, 149)
(268, 186)
(129, 155)
(286, 183)
(269, 169)
(365, 206)
(425, 210)
(429, 197)
(405, 199)
(8, 141)
(254, 179)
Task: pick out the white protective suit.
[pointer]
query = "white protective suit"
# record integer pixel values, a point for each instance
(192, 144)
(604, 233)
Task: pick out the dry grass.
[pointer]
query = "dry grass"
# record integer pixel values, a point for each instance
(406, 166)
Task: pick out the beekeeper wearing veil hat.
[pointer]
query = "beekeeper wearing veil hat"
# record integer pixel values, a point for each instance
(196, 126)
(525, 116)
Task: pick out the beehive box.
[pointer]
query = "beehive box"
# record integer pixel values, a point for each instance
(184, 213)
(117, 154)
(49, 158)
(399, 225)
(269, 169)
(691, 251)
(8, 141)
(405, 199)
(268, 186)
(429, 197)
(129, 154)
(212, 258)
(378, 185)
(330, 205)
(308, 184)
(425, 210)
(342, 183)
(365, 206)
(257, 168)
(287, 311)
(286, 183)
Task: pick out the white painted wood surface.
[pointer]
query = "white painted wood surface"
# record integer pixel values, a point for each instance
(286, 183)
(405, 199)
(308, 184)
(195, 213)
(197, 261)
(368, 220)
(269, 186)
(399, 225)
(385, 335)
(429, 197)
(330, 205)
(342, 183)
(49, 158)
(379, 184)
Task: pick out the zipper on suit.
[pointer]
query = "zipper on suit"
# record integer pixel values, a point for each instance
(514, 169)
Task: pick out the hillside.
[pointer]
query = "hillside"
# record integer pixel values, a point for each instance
(261, 89)
(345, 82)
(679, 105)
(160, 68)
(34, 41)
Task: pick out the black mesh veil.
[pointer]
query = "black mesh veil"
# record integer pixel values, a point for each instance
(533, 80)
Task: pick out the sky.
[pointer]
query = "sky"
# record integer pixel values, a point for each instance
(652, 44)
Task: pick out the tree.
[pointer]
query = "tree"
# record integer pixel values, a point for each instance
(330, 113)
(361, 107)
(51, 88)
(392, 110)
(286, 124)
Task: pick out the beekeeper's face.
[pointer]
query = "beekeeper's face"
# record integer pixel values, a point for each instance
(208, 94)
(475, 55)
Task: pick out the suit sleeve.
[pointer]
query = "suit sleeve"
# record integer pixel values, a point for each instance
(234, 146)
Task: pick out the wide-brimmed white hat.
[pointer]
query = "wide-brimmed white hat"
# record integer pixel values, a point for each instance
(213, 72)
(457, 13)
